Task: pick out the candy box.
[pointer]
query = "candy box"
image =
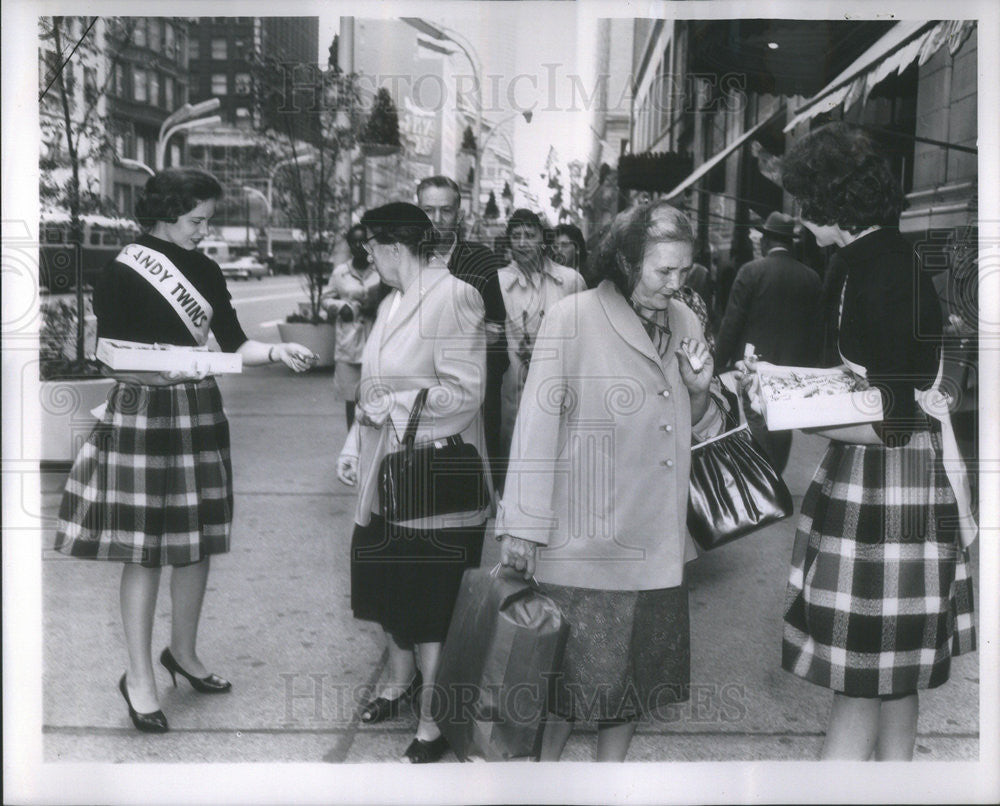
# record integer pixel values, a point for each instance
(803, 397)
(135, 356)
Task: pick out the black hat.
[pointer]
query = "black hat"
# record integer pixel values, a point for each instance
(779, 225)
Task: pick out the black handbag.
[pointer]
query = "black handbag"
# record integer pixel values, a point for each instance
(440, 477)
(734, 490)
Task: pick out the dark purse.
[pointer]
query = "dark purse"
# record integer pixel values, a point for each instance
(734, 490)
(435, 478)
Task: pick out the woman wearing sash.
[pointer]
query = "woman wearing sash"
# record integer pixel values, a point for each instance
(152, 485)
(879, 596)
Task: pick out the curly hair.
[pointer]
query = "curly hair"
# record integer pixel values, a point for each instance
(619, 256)
(174, 192)
(839, 177)
(402, 223)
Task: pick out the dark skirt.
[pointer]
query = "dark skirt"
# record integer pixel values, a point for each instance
(628, 653)
(407, 580)
(879, 594)
(153, 483)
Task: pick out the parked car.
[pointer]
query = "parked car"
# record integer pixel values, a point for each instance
(244, 268)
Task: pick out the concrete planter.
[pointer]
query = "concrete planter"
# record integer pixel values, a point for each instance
(64, 415)
(321, 339)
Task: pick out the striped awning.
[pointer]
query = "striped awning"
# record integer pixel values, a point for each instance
(903, 44)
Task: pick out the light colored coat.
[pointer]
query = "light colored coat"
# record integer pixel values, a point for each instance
(601, 453)
(435, 339)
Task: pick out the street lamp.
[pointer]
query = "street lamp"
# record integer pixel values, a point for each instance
(135, 165)
(187, 117)
(301, 159)
(253, 191)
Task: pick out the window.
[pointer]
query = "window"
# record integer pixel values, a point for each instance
(95, 237)
(218, 84)
(154, 88)
(154, 33)
(218, 47)
(140, 86)
(120, 80)
(139, 33)
(197, 153)
(168, 92)
(140, 148)
(175, 154)
(182, 49)
(242, 83)
(123, 197)
(169, 42)
(120, 145)
(193, 52)
(182, 93)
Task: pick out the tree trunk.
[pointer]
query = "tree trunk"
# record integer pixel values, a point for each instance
(75, 224)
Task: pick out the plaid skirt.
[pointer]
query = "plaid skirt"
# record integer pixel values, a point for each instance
(879, 594)
(153, 483)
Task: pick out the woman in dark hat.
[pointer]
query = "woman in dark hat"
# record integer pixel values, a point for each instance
(429, 334)
(879, 595)
(153, 486)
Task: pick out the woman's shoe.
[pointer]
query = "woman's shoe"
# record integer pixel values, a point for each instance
(212, 684)
(381, 709)
(154, 722)
(421, 752)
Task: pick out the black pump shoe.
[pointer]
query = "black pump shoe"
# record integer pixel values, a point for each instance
(153, 722)
(380, 709)
(212, 684)
(421, 752)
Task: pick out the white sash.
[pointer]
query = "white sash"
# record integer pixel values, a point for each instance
(935, 403)
(157, 269)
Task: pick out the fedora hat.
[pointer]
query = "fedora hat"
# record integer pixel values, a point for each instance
(779, 225)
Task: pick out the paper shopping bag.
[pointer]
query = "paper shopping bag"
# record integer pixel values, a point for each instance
(504, 645)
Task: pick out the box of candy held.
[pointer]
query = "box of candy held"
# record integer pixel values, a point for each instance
(130, 355)
(803, 397)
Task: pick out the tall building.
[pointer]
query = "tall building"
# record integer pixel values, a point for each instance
(226, 57)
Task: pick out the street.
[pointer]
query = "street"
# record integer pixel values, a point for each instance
(277, 619)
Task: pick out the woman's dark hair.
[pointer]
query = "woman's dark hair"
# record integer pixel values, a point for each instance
(839, 177)
(525, 217)
(573, 232)
(174, 192)
(353, 229)
(619, 255)
(402, 223)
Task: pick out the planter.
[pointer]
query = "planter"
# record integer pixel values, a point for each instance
(64, 415)
(321, 339)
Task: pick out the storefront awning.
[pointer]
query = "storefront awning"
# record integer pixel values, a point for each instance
(708, 165)
(893, 53)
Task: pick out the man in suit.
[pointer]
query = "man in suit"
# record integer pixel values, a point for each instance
(440, 198)
(775, 305)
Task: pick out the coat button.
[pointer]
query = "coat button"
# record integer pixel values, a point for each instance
(667, 463)
(667, 428)
(665, 393)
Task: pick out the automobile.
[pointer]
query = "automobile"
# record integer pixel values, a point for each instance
(244, 268)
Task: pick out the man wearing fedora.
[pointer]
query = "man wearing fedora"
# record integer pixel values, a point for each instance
(775, 305)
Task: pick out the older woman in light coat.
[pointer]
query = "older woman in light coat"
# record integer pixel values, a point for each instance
(595, 501)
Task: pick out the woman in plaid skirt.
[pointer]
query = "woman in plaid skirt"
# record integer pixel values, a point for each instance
(879, 595)
(152, 485)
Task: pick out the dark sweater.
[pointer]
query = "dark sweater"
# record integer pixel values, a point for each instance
(891, 325)
(129, 308)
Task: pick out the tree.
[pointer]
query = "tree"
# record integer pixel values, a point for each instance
(506, 194)
(491, 211)
(469, 140)
(382, 126)
(311, 188)
(333, 57)
(80, 56)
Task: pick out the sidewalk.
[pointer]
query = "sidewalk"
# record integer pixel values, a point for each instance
(277, 623)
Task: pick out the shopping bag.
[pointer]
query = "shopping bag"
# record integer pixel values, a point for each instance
(505, 643)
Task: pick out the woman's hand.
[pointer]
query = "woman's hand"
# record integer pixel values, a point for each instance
(295, 356)
(347, 469)
(364, 418)
(518, 554)
(749, 382)
(694, 360)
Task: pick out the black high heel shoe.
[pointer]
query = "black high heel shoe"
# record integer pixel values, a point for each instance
(380, 709)
(153, 722)
(211, 684)
(423, 752)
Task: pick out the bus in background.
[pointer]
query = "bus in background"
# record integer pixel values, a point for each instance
(103, 239)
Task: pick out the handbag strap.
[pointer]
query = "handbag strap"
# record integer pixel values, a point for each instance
(410, 435)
